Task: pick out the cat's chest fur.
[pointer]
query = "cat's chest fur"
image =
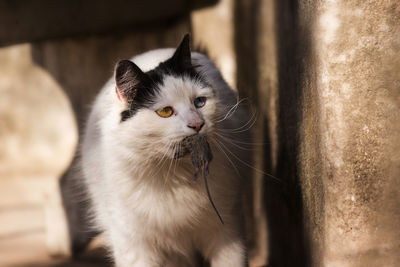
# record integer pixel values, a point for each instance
(165, 199)
(168, 196)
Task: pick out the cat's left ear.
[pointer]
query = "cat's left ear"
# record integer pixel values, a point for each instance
(128, 77)
(182, 56)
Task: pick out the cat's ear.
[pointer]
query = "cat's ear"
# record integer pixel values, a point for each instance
(127, 78)
(182, 56)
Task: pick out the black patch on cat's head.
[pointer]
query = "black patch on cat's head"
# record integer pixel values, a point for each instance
(140, 88)
(180, 64)
(181, 61)
(135, 87)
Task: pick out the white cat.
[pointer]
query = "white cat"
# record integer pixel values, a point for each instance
(138, 171)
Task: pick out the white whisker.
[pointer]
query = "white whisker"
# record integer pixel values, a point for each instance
(241, 129)
(248, 165)
(241, 142)
(231, 111)
(231, 141)
(222, 150)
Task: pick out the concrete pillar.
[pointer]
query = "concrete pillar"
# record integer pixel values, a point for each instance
(350, 132)
(330, 89)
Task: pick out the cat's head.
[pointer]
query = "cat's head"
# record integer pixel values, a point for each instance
(165, 105)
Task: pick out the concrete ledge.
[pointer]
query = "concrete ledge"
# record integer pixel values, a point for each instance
(34, 20)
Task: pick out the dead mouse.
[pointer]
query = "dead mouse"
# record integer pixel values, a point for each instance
(200, 157)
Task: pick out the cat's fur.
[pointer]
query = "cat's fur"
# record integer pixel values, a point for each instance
(151, 210)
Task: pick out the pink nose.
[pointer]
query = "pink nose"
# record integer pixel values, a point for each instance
(196, 125)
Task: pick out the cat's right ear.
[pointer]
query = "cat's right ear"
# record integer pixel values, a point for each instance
(182, 56)
(127, 78)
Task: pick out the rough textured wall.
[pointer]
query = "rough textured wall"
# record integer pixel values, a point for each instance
(335, 125)
(357, 86)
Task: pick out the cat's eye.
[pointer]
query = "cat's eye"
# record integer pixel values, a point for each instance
(165, 112)
(200, 101)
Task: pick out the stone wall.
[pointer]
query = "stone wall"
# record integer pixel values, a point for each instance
(330, 92)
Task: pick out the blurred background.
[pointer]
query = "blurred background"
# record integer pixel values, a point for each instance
(323, 77)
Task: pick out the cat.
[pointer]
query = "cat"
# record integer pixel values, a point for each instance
(138, 173)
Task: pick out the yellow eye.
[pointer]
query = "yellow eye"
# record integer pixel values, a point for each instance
(165, 112)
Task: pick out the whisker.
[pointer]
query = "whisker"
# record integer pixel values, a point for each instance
(251, 121)
(226, 155)
(171, 162)
(242, 142)
(227, 109)
(232, 110)
(231, 141)
(174, 152)
(248, 165)
(164, 154)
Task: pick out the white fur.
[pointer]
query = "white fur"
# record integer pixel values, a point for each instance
(150, 208)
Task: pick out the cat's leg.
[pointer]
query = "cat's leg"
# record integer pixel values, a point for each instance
(226, 248)
(129, 252)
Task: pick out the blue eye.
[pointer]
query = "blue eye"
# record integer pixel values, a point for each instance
(200, 101)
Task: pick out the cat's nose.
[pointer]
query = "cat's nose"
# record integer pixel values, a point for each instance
(196, 125)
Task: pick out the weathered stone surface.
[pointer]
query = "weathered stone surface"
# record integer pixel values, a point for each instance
(357, 62)
(337, 130)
